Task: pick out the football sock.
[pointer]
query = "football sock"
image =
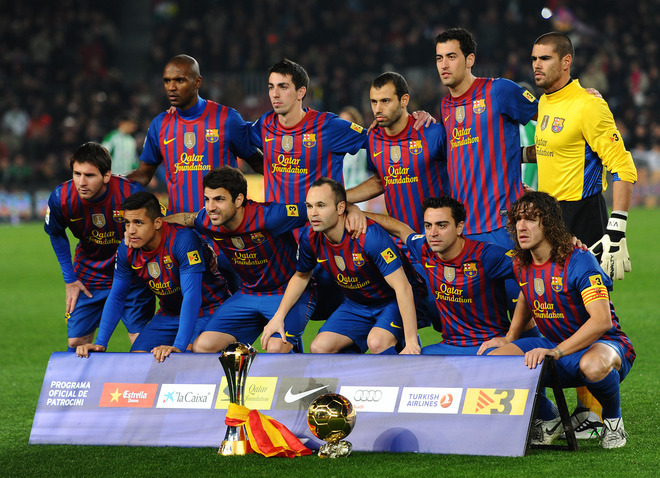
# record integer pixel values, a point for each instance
(606, 391)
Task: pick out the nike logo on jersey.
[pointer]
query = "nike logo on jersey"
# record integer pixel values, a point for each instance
(321, 260)
(522, 284)
(428, 266)
(268, 140)
(136, 267)
(74, 219)
(392, 324)
(291, 397)
(376, 154)
(447, 118)
(168, 141)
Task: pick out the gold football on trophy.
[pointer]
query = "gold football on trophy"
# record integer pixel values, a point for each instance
(331, 417)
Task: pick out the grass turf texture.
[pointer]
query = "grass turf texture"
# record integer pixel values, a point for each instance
(31, 319)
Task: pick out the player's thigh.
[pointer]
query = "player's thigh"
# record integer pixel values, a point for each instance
(351, 320)
(447, 349)
(139, 308)
(238, 316)
(599, 360)
(388, 319)
(297, 318)
(161, 330)
(212, 342)
(330, 342)
(86, 315)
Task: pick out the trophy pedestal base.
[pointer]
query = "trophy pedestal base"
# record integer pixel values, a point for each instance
(229, 448)
(335, 450)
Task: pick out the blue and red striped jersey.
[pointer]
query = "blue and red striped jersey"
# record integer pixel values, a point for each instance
(358, 266)
(192, 143)
(469, 290)
(295, 157)
(483, 149)
(557, 294)
(411, 166)
(262, 248)
(179, 252)
(98, 226)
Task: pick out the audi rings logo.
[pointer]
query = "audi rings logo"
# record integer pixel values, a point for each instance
(368, 395)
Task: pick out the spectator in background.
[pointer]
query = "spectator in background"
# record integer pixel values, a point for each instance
(121, 145)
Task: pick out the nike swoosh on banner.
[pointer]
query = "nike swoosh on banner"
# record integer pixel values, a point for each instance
(168, 141)
(75, 219)
(291, 397)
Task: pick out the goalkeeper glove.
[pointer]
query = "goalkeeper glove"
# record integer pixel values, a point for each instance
(614, 258)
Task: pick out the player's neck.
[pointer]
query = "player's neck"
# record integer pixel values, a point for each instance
(465, 85)
(336, 233)
(558, 85)
(154, 242)
(453, 251)
(235, 221)
(398, 126)
(541, 252)
(291, 118)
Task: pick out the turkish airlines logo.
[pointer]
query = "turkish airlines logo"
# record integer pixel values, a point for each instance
(430, 400)
(371, 399)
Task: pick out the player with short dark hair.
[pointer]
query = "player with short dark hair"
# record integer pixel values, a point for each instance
(89, 206)
(565, 292)
(379, 284)
(170, 260)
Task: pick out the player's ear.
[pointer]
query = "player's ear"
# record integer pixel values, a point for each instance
(240, 199)
(469, 61)
(158, 222)
(459, 227)
(302, 91)
(404, 100)
(341, 207)
(106, 177)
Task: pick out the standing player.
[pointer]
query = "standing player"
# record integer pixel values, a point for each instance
(466, 277)
(169, 259)
(258, 241)
(566, 293)
(378, 311)
(89, 206)
(407, 163)
(192, 137)
(576, 141)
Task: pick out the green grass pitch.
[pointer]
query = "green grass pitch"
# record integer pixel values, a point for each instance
(32, 324)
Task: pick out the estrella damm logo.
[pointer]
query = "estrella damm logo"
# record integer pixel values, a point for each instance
(309, 140)
(358, 260)
(557, 284)
(212, 136)
(470, 269)
(415, 146)
(478, 106)
(495, 401)
(557, 125)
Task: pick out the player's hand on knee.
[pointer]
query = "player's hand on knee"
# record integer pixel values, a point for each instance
(73, 290)
(496, 342)
(274, 326)
(535, 357)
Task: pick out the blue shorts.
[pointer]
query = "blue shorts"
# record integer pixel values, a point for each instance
(355, 321)
(162, 330)
(244, 316)
(138, 310)
(568, 367)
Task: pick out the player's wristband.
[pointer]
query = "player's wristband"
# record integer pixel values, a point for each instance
(616, 225)
(560, 354)
(525, 159)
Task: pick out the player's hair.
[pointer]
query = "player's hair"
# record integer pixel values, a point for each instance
(456, 207)
(335, 186)
(143, 200)
(560, 42)
(298, 74)
(188, 61)
(229, 178)
(94, 154)
(542, 206)
(355, 114)
(462, 36)
(399, 82)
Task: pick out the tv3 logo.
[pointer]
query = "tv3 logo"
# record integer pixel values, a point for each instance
(495, 401)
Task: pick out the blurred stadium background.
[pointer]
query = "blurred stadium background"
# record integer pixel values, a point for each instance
(70, 68)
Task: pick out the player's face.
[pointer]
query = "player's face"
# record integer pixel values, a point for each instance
(220, 207)
(89, 181)
(529, 232)
(441, 231)
(549, 69)
(322, 212)
(181, 86)
(283, 94)
(141, 231)
(453, 66)
(386, 106)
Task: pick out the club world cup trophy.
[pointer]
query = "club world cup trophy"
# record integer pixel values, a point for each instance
(331, 417)
(236, 360)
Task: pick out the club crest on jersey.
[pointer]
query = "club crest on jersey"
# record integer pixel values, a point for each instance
(257, 237)
(557, 284)
(212, 136)
(395, 153)
(98, 220)
(539, 287)
(470, 269)
(415, 146)
(309, 140)
(118, 215)
(339, 260)
(449, 273)
(154, 269)
(460, 114)
(238, 242)
(190, 140)
(544, 122)
(167, 260)
(358, 260)
(557, 125)
(479, 106)
(287, 142)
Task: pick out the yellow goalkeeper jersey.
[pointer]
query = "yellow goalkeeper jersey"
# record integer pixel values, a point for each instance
(577, 141)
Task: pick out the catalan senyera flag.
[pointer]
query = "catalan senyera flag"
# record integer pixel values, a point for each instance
(267, 436)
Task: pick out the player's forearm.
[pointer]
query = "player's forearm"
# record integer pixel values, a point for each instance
(256, 162)
(142, 174)
(112, 310)
(182, 218)
(294, 289)
(369, 189)
(392, 226)
(191, 289)
(599, 322)
(406, 302)
(63, 253)
(621, 195)
(520, 320)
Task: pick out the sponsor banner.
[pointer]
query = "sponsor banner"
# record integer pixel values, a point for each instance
(441, 404)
